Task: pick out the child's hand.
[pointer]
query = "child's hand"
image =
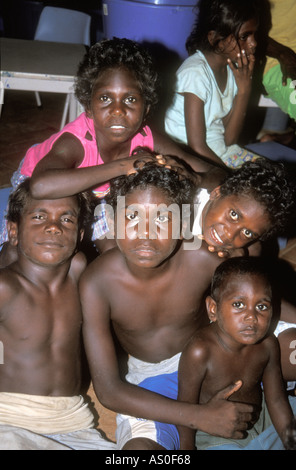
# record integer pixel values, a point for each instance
(243, 71)
(178, 166)
(226, 253)
(290, 438)
(163, 160)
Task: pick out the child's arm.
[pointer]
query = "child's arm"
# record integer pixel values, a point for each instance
(234, 121)
(275, 394)
(56, 175)
(199, 162)
(286, 58)
(192, 369)
(223, 417)
(196, 127)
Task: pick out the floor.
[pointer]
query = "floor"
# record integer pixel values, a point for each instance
(22, 124)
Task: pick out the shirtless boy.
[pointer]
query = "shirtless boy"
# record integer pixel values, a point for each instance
(40, 327)
(149, 291)
(238, 344)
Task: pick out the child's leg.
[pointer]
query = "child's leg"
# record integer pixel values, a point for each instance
(133, 433)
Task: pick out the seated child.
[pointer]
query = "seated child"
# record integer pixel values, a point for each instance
(160, 290)
(237, 345)
(214, 83)
(40, 327)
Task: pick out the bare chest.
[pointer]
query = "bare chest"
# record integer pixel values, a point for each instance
(39, 317)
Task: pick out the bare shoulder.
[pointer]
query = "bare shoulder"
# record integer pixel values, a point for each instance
(198, 347)
(103, 268)
(271, 343)
(9, 286)
(78, 265)
(201, 260)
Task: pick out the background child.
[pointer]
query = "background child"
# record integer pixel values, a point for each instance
(116, 84)
(214, 83)
(160, 289)
(237, 345)
(40, 327)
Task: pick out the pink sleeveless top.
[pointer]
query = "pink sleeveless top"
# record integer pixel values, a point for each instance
(83, 129)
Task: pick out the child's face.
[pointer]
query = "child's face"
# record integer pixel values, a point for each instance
(233, 221)
(244, 309)
(246, 41)
(117, 106)
(48, 231)
(147, 234)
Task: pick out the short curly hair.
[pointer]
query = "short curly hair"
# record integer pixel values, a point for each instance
(178, 190)
(251, 265)
(117, 53)
(20, 197)
(270, 185)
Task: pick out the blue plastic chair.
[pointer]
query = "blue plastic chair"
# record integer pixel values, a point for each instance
(63, 25)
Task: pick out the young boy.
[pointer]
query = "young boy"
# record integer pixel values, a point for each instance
(40, 327)
(149, 292)
(237, 344)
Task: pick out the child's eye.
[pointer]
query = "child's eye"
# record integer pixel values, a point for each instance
(247, 233)
(162, 219)
(105, 99)
(233, 215)
(132, 216)
(38, 217)
(238, 304)
(130, 100)
(67, 220)
(262, 307)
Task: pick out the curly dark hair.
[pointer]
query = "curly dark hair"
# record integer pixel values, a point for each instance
(225, 17)
(116, 53)
(270, 185)
(178, 190)
(239, 266)
(20, 197)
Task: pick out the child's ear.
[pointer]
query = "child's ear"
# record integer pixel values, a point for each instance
(88, 113)
(211, 308)
(212, 37)
(12, 229)
(147, 110)
(81, 235)
(215, 193)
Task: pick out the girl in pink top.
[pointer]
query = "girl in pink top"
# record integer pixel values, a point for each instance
(116, 85)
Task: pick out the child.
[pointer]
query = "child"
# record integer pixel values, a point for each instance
(237, 344)
(156, 308)
(40, 327)
(116, 84)
(214, 83)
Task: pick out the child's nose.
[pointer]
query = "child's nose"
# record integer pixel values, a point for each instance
(251, 316)
(53, 227)
(118, 109)
(147, 231)
(253, 44)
